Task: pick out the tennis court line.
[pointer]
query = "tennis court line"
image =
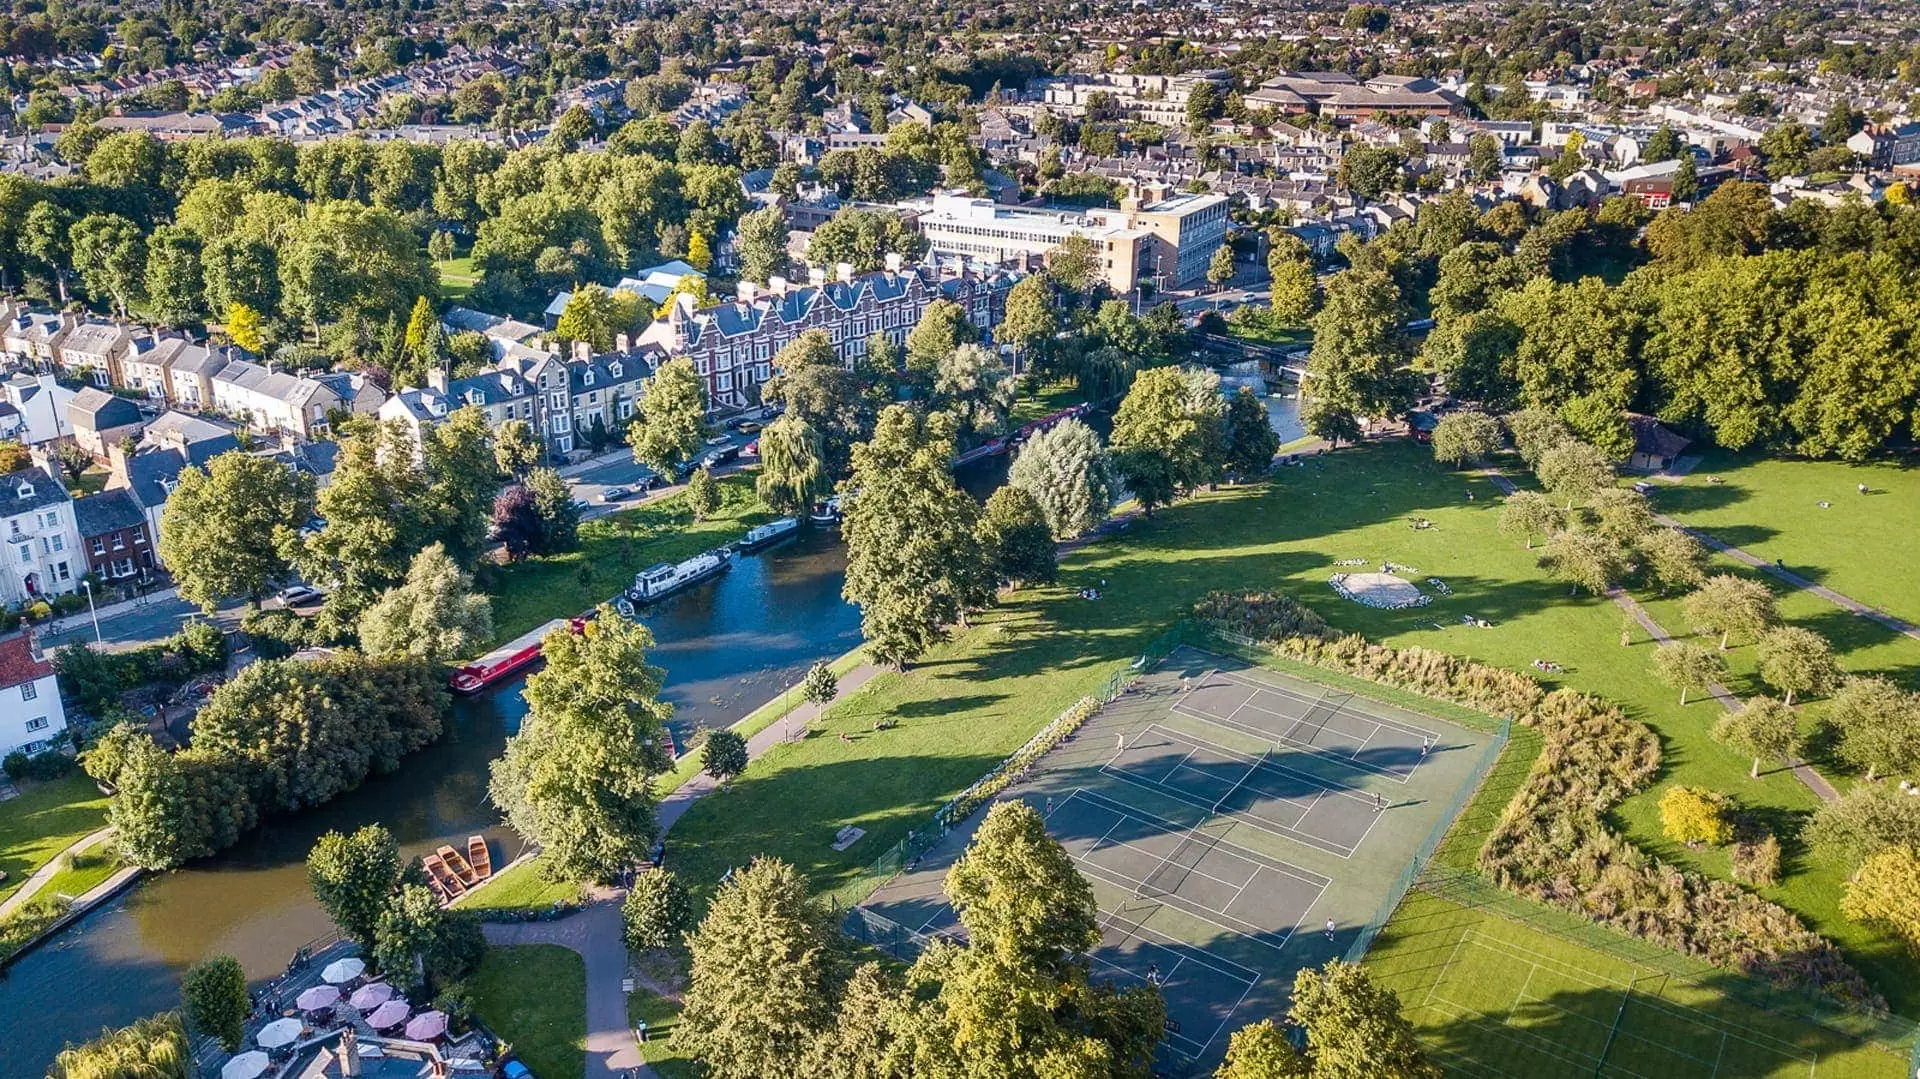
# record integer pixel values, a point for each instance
(1286, 738)
(1304, 876)
(1187, 953)
(1378, 720)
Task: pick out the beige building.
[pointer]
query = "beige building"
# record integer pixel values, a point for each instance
(1152, 238)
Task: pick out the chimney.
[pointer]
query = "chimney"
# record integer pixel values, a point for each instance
(893, 262)
(583, 351)
(622, 343)
(817, 276)
(349, 1050)
(843, 272)
(747, 291)
(777, 284)
(437, 379)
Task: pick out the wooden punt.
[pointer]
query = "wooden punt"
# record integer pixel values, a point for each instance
(457, 862)
(478, 858)
(443, 878)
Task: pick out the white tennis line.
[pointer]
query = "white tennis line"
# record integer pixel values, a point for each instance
(1361, 713)
(1287, 739)
(1226, 1018)
(1193, 910)
(1273, 828)
(1528, 1040)
(1304, 876)
(1266, 763)
(1199, 956)
(1447, 968)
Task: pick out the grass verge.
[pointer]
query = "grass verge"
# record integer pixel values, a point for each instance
(520, 888)
(46, 819)
(660, 1015)
(535, 997)
(752, 723)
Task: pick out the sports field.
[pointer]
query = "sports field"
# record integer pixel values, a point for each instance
(1492, 998)
(1225, 815)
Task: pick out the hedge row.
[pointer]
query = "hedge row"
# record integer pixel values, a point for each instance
(1063, 725)
(1553, 843)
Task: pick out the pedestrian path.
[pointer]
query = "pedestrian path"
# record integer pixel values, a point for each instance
(1898, 625)
(50, 870)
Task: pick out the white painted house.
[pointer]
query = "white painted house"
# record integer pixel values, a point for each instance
(39, 542)
(31, 713)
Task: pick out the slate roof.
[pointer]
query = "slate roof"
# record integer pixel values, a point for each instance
(98, 410)
(108, 511)
(278, 385)
(1654, 438)
(44, 492)
(151, 470)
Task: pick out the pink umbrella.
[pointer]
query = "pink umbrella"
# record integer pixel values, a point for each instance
(427, 1025)
(388, 1014)
(320, 996)
(371, 995)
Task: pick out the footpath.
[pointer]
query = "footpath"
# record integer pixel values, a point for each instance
(596, 932)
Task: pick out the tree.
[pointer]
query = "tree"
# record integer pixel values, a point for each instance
(1157, 441)
(1076, 264)
(1016, 891)
(558, 513)
(703, 494)
(1220, 266)
(426, 343)
(724, 755)
(515, 448)
(1016, 538)
(863, 239)
(1763, 727)
(435, 614)
(1251, 439)
(1293, 290)
(1869, 818)
(914, 562)
(1786, 147)
(1370, 171)
(108, 752)
(943, 327)
(1467, 436)
(1535, 431)
(150, 1048)
(1590, 560)
(1687, 666)
(1354, 1026)
(820, 686)
(223, 531)
(761, 238)
(1029, 323)
(1879, 725)
(1694, 815)
(516, 522)
(1727, 604)
(1686, 179)
(246, 328)
(1673, 560)
(13, 457)
(1886, 892)
(352, 876)
(657, 911)
(213, 994)
(671, 425)
(1665, 145)
(577, 777)
(1574, 471)
(763, 967)
(792, 465)
(419, 946)
(1261, 1051)
(588, 317)
(1797, 661)
(1529, 514)
(1067, 472)
(1358, 364)
(173, 279)
(1485, 157)
(1205, 104)
(1621, 515)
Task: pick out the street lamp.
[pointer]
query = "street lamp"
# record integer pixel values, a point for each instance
(92, 610)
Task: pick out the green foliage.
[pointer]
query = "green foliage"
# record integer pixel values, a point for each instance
(224, 527)
(576, 778)
(213, 994)
(1261, 1051)
(1357, 368)
(971, 384)
(1672, 560)
(943, 327)
(150, 1048)
(1886, 891)
(419, 946)
(657, 911)
(1354, 1026)
(1250, 437)
(1461, 437)
(434, 615)
(671, 424)
(703, 494)
(1727, 604)
(1796, 660)
(1687, 666)
(1529, 514)
(1763, 727)
(1574, 471)
(1066, 470)
(1015, 538)
(821, 685)
(724, 755)
(108, 751)
(1879, 725)
(1693, 815)
(1867, 819)
(1159, 440)
(864, 238)
(352, 877)
(792, 465)
(94, 680)
(1590, 560)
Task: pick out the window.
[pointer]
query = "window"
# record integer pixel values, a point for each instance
(60, 572)
(59, 543)
(586, 378)
(139, 533)
(119, 541)
(726, 381)
(557, 400)
(123, 568)
(37, 723)
(614, 368)
(26, 553)
(49, 520)
(29, 691)
(98, 545)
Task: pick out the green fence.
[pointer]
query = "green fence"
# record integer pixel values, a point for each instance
(1469, 888)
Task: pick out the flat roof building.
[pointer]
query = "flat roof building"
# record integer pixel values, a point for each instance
(1167, 240)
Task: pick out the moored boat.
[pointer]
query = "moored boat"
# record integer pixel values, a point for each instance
(478, 857)
(826, 513)
(658, 582)
(769, 534)
(444, 882)
(505, 661)
(457, 862)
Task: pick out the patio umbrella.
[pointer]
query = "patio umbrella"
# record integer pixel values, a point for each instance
(278, 1033)
(342, 970)
(388, 1014)
(427, 1025)
(320, 996)
(248, 1065)
(371, 996)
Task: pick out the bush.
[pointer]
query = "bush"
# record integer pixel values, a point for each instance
(1757, 861)
(1263, 616)
(657, 912)
(1694, 815)
(275, 634)
(1554, 843)
(49, 765)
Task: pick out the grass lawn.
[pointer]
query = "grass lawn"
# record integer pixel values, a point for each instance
(1285, 337)
(457, 278)
(535, 996)
(752, 723)
(520, 888)
(1050, 398)
(42, 822)
(81, 873)
(1491, 997)
(92, 482)
(613, 549)
(970, 702)
(659, 1014)
(1860, 546)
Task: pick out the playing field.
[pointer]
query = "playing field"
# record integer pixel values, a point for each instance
(1493, 998)
(1236, 825)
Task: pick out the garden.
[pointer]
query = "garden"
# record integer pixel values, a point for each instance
(534, 997)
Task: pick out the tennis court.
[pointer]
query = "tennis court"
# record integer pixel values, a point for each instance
(1321, 721)
(1257, 790)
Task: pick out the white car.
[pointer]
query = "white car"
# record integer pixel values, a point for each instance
(299, 596)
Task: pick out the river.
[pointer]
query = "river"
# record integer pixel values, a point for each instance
(727, 646)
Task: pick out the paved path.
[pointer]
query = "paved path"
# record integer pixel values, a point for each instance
(1801, 769)
(1898, 625)
(47, 872)
(595, 932)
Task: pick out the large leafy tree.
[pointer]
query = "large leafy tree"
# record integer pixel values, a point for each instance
(1529, 514)
(174, 281)
(1591, 560)
(352, 876)
(1687, 666)
(1261, 1051)
(657, 911)
(817, 388)
(225, 528)
(1727, 605)
(150, 1048)
(971, 384)
(1354, 1026)
(1251, 440)
(577, 777)
(1763, 727)
(943, 327)
(1886, 891)
(1869, 818)
(762, 242)
(1158, 444)
(1016, 539)
(1066, 470)
(671, 425)
(1030, 321)
(110, 253)
(1574, 471)
(1796, 660)
(418, 944)
(434, 614)
(1879, 725)
(1358, 364)
(914, 561)
(1461, 437)
(766, 964)
(792, 465)
(213, 994)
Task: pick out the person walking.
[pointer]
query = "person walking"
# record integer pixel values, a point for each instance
(1330, 928)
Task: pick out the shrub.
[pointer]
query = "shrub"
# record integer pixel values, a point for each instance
(1264, 616)
(51, 764)
(1757, 861)
(275, 634)
(1694, 815)
(657, 912)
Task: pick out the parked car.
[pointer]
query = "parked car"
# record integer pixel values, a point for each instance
(300, 595)
(751, 427)
(717, 440)
(516, 1070)
(615, 494)
(752, 449)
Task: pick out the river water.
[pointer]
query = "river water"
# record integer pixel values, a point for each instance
(727, 646)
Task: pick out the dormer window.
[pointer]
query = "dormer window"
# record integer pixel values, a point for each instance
(615, 368)
(587, 378)
(24, 490)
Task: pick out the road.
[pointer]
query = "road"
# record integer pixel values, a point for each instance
(618, 469)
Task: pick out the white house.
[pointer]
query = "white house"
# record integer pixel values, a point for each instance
(30, 710)
(39, 542)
